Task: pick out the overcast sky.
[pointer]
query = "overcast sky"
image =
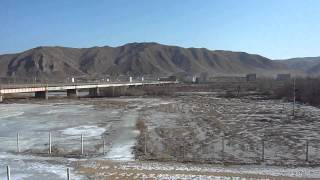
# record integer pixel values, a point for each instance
(272, 28)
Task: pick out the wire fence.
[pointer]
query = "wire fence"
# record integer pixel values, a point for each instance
(224, 150)
(218, 150)
(54, 144)
(8, 173)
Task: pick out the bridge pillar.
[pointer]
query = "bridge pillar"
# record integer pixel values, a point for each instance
(1, 98)
(114, 91)
(94, 92)
(72, 92)
(41, 94)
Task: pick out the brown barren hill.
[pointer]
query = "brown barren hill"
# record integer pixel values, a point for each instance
(132, 59)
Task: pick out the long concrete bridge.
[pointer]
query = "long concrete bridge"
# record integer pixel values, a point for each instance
(41, 90)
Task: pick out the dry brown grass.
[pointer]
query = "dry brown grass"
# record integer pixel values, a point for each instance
(141, 125)
(307, 91)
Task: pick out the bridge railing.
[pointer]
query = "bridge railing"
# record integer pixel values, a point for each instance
(14, 86)
(15, 81)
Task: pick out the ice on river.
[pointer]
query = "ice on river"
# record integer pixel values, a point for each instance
(87, 131)
(66, 122)
(35, 168)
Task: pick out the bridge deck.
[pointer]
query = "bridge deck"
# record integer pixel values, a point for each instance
(41, 87)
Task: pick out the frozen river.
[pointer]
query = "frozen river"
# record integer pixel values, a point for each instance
(66, 122)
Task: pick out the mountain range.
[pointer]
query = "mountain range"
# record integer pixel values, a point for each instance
(137, 59)
(307, 65)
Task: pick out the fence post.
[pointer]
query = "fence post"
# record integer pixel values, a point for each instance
(18, 148)
(145, 143)
(68, 174)
(307, 150)
(81, 144)
(50, 143)
(8, 173)
(262, 151)
(222, 147)
(183, 151)
(103, 146)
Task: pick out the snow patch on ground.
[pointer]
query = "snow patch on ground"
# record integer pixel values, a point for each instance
(299, 172)
(7, 114)
(121, 152)
(88, 131)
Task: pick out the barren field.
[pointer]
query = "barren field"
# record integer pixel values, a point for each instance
(185, 136)
(208, 128)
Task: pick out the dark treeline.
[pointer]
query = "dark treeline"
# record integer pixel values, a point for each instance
(307, 91)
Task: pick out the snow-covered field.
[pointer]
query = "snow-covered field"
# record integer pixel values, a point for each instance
(195, 120)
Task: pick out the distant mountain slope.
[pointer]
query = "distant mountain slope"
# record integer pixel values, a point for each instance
(315, 70)
(132, 59)
(308, 65)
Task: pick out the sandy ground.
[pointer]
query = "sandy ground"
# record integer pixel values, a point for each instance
(167, 170)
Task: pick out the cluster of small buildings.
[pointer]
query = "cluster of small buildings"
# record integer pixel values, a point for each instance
(247, 78)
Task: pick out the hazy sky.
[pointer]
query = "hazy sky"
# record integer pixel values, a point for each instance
(273, 28)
